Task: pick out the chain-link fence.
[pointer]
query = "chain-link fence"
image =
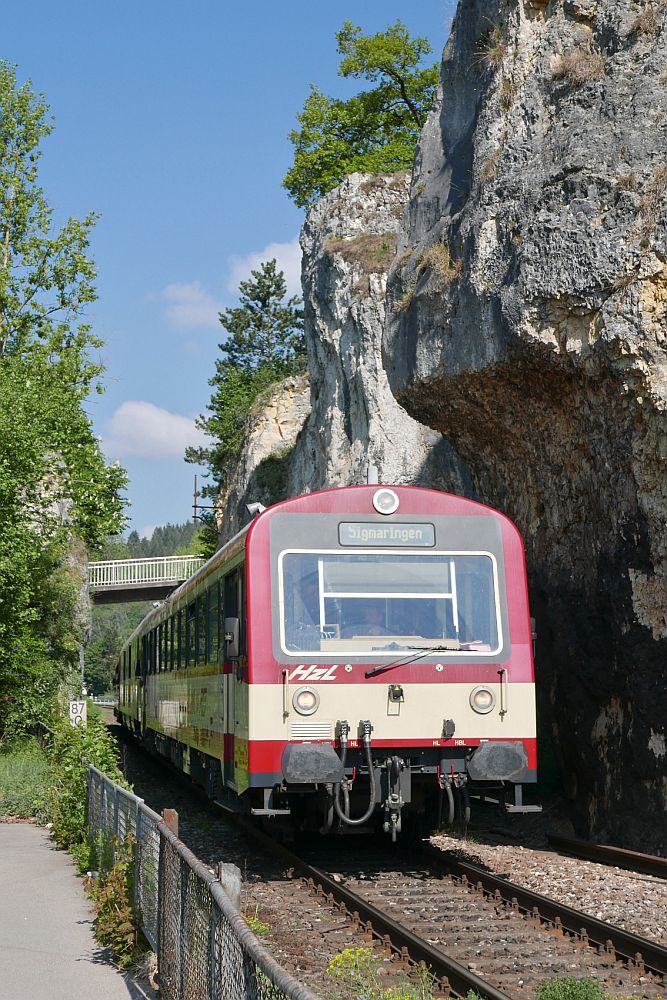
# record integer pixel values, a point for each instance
(205, 949)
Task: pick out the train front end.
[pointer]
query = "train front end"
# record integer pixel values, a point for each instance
(393, 674)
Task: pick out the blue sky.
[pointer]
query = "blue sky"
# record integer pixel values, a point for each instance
(171, 121)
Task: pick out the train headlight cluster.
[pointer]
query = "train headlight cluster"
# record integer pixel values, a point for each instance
(306, 700)
(482, 700)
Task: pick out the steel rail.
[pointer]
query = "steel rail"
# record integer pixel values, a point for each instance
(645, 864)
(638, 952)
(401, 939)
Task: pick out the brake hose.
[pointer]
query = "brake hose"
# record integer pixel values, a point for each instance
(343, 814)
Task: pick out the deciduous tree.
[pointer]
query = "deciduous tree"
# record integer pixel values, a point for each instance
(54, 483)
(376, 130)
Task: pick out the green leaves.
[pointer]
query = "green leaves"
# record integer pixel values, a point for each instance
(54, 484)
(375, 131)
(265, 345)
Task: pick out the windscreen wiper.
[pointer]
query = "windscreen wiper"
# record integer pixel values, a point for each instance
(451, 644)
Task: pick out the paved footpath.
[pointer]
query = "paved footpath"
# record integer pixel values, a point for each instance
(47, 948)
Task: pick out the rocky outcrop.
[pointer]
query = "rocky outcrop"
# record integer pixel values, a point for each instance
(325, 428)
(528, 324)
(271, 433)
(349, 243)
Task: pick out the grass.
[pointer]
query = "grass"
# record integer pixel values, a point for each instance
(363, 972)
(406, 298)
(650, 204)
(655, 191)
(580, 66)
(647, 22)
(257, 926)
(492, 49)
(24, 782)
(508, 92)
(489, 168)
(371, 252)
(438, 258)
(626, 182)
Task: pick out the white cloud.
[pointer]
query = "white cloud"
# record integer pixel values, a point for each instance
(140, 429)
(189, 304)
(288, 259)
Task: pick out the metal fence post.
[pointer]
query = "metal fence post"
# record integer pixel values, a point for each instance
(182, 950)
(230, 880)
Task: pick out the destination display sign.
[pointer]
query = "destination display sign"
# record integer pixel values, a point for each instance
(366, 533)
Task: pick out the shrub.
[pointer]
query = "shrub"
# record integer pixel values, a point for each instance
(24, 782)
(116, 922)
(579, 66)
(70, 750)
(566, 988)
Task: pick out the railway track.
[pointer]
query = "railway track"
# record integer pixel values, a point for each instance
(422, 908)
(475, 930)
(644, 864)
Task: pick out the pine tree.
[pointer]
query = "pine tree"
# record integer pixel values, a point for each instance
(265, 344)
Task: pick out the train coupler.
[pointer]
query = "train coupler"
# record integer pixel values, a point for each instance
(394, 802)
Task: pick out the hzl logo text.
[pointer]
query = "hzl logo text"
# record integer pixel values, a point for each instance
(313, 673)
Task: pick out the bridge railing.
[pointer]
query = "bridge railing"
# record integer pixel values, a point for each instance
(129, 572)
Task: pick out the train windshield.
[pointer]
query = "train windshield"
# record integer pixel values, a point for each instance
(384, 603)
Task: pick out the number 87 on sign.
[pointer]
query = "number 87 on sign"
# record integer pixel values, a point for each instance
(78, 712)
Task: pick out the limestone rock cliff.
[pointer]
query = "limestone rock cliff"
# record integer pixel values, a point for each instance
(324, 429)
(528, 324)
(349, 243)
(271, 433)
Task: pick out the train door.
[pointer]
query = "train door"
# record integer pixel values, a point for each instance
(143, 683)
(215, 658)
(235, 693)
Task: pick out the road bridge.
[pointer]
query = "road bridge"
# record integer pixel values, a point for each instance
(117, 581)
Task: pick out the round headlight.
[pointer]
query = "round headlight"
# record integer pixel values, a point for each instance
(482, 700)
(306, 700)
(385, 501)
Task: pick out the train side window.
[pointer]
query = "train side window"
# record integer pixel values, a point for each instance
(190, 634)
(213, 620)
(178, 641)
(232, 597)
(202, 601)
(169, 643)
(165, 645)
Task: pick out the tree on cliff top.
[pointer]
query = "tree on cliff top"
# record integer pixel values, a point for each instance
(375, 131)
(265, 345)
(54, 483)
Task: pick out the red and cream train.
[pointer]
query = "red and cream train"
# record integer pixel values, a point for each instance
(352, 657)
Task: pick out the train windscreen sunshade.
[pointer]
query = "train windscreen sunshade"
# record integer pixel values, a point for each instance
(384, 603)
